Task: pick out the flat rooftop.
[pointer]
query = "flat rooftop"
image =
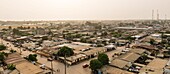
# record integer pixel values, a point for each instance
(154, 67)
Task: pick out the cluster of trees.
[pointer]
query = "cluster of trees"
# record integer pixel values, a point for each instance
(129, 38)
(65, 51)
(116, 34)
(17, 32)
(99, 62)
(21, 27)
(96, 25)
(2, 47)
(164, 43)
(84, 40)
(70, 36)
(126, 24)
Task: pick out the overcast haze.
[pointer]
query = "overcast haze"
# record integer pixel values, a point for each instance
(82, 9)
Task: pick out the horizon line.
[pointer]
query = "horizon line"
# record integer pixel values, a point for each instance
(88, 20)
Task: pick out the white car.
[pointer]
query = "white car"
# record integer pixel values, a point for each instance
(42, 66)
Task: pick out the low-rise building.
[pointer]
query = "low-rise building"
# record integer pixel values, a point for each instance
(121, 64)
(156, 66)
(22, 66)
(138, 51)
(94, 52)
(112, 70)
(130, 57)
(74, 59)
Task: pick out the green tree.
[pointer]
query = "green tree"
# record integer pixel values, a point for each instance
(9, 27)
(103, 58)
(12, 51)
(168, 39)
(32, 57)
(50, 32)
(152, 41)
(2, 47)
(88, 23)
(95, 33)
(16, 31)
(142, 58)
(2, 57)
(11, 66)
(129, 38)
(95, 64)
(84, 40)
(65, 51)
(116, 34)
(104, 33)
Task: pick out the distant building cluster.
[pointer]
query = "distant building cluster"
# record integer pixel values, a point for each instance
(133, 47)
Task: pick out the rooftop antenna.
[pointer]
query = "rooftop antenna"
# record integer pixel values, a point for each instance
(157, 15)
(152, 14)
(165, 17)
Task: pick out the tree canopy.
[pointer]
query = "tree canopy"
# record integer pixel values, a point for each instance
(103, 58)
(65, 51)
(95, 64)
(152, 41)
(2, 56)
(116, 34)
(129, 38)
(11, 66)
(2, 47)
(32, 57)
(17, 32)
(12, 51)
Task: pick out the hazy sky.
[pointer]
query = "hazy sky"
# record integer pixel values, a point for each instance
(82, 9)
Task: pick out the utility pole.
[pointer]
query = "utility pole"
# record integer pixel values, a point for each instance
(20, 50)
(157, 15)
(52, 66)
(162, 34)
(1, 41)
(164, 22)
(65, 64)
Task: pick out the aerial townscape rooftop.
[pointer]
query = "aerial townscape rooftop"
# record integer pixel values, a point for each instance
(84, 37)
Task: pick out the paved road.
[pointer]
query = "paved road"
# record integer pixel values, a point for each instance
(75, 69)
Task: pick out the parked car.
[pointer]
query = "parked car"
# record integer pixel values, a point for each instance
(24, 49)
(42, 66)
(85, 65)
(49, 59)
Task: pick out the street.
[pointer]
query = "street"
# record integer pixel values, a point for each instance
(74, 69)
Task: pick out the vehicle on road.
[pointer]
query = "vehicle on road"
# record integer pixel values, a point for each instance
(49, 59)
(85, 65)
(42, 66)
